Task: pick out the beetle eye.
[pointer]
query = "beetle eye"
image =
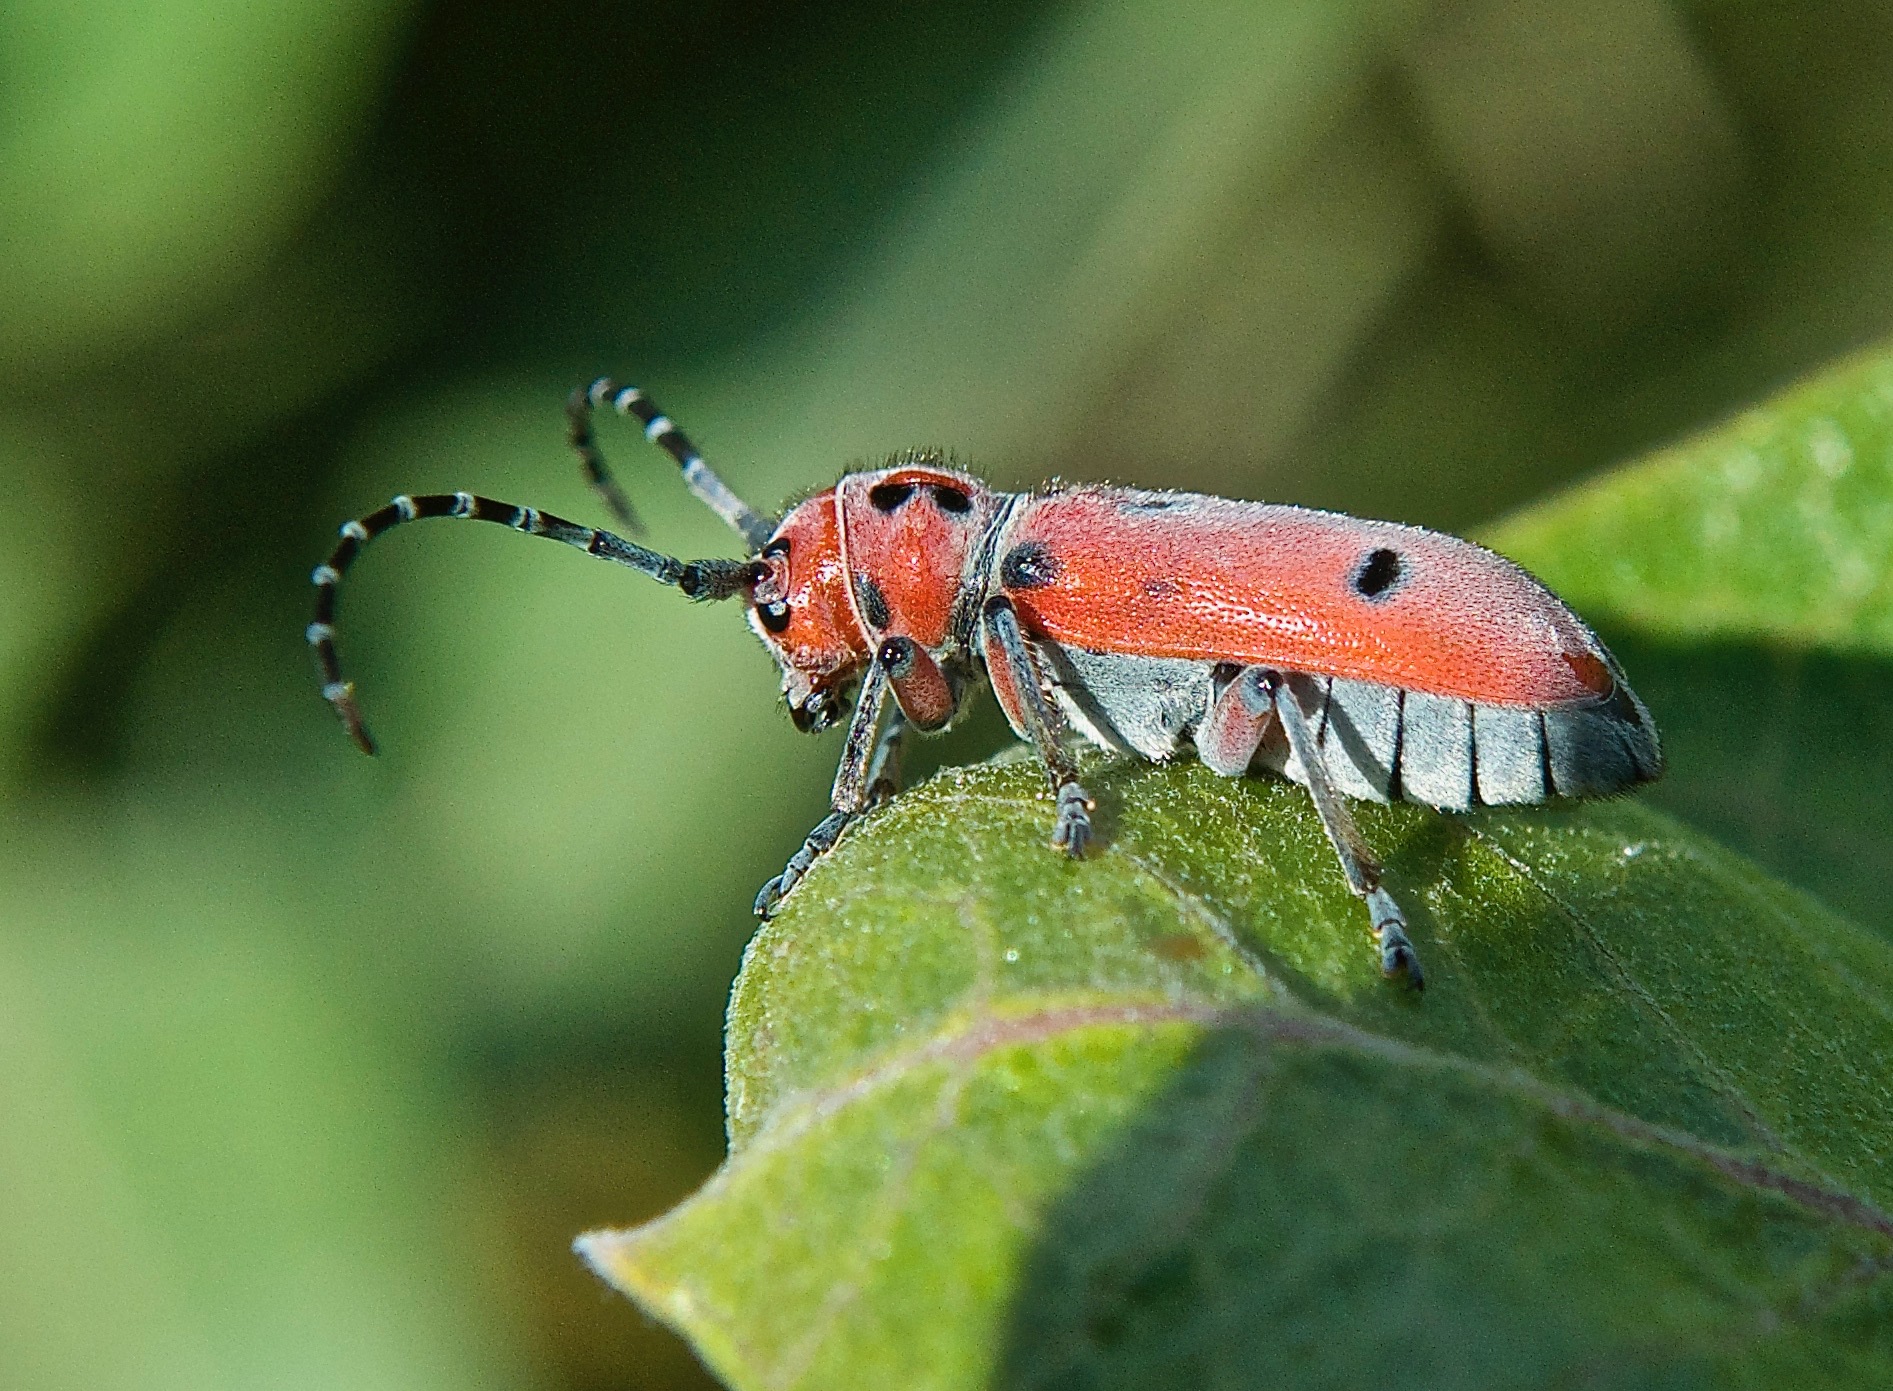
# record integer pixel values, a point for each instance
(775, 617)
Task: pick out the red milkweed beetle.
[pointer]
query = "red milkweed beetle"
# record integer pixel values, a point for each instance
(1362, 658)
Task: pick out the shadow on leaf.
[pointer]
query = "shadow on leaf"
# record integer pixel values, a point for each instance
(1300, 1208)
(1785, 755)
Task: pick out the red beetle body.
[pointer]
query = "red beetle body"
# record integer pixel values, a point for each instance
(1382, 661)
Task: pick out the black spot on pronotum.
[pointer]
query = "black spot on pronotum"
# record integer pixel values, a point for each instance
(1377, 574)
(951, 499)
(1029, 565)
(774, 617)
(885, 497)
(873, 602)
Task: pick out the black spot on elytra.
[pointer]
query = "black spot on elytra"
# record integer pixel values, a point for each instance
(885, 497)
(1029, 565)
(873, 602)
(1159, 588)
(951, 499)
(1377, 574)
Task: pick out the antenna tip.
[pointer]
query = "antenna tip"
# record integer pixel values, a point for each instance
(341, 696)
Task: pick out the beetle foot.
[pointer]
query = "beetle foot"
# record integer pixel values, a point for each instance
(771, 894)
(1397, 956)
(820, 841)
(1071, 832)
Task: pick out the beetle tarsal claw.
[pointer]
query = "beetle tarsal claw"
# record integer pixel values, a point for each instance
(1071, 832)
(1397, 956)
(820, 841)
(769, 896)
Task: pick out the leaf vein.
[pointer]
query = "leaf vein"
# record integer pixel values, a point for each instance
(1724, 1084)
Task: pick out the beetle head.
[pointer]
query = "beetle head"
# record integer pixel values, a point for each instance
(882, 554)
(800, 610)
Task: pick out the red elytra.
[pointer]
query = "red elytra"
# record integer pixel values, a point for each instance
(1357, 658)
(1177, 575)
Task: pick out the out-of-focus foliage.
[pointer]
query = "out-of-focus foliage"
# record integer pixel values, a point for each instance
(1776, 528)
(1153, 1118)
(283, 1018)
(1747, 576)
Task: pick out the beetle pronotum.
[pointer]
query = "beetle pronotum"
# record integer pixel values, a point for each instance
(1358, 658)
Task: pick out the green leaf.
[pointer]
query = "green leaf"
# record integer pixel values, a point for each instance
(1153, 1119)
(1745, 578)
(1777, 526)
(997, 1118)
(1782, 753)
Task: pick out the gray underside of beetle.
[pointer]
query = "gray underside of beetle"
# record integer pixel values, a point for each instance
(1379, 743)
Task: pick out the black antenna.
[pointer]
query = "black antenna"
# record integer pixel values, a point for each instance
(698, 579)
(661, 430)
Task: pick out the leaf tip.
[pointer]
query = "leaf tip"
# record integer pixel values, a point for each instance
(597, 1250)
(612, 1259)
(625, 1261)
(622, 1259)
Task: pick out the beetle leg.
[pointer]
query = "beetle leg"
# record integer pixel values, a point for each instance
(1071, 831)
(884, 767)
(864, 760)
(1237, 723)
(1358, 862)
(924, 696)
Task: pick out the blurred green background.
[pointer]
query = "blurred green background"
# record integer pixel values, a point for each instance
(311, 1066)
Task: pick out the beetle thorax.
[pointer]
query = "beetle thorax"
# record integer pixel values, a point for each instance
(885, 554)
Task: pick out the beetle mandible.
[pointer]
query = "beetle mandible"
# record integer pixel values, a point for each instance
(1359, 658)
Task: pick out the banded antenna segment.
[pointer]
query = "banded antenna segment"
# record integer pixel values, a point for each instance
(698, 579)
(661, 430)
